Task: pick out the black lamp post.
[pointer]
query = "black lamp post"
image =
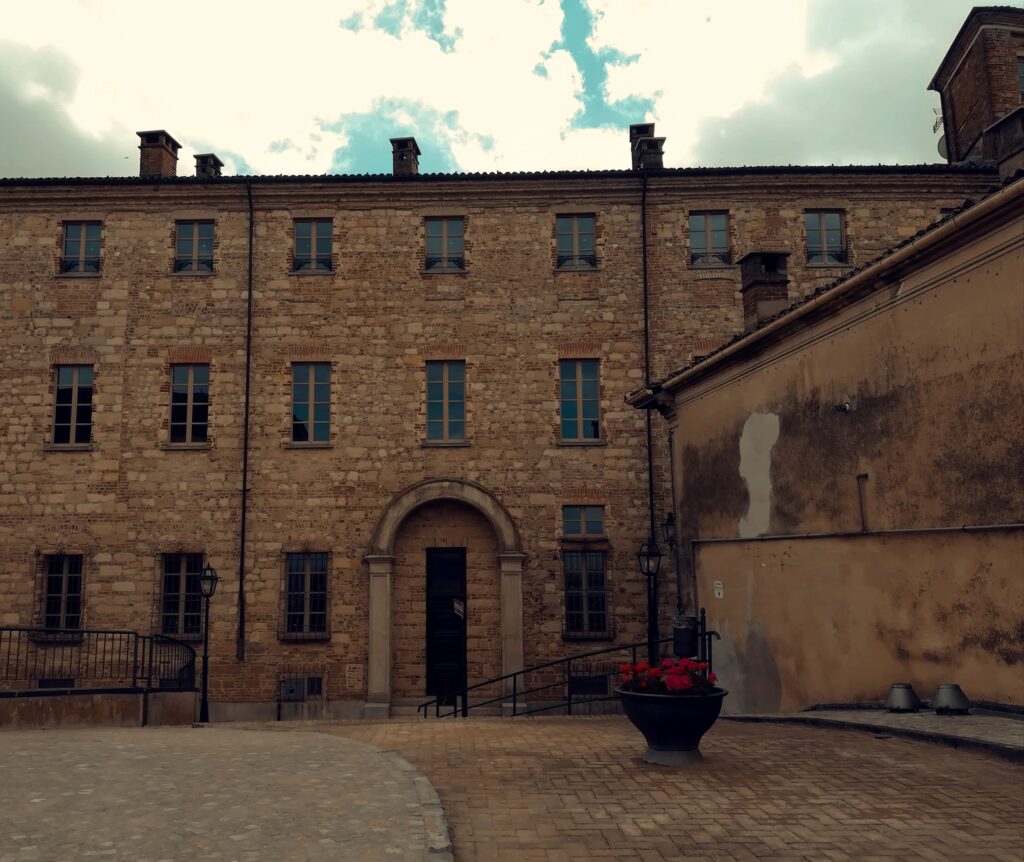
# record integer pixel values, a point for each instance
(208, 579)
(668, 532)
(649, 558)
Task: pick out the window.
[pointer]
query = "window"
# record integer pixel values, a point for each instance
(446, 401)
(709, 239)
(62, 598)
(312, 245)
(81, 248)
(574, 241)
(586, 600)
(194, 247)
(72, 415)
(580, 399)
(181, 607)
(305, 595)
(1020, 77)
(444, 243)
(583, 520)
(190, 403)
(311, 402)
(825, 237)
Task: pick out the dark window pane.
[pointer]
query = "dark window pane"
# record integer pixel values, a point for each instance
(206, 230)
(696, 223)
(198, 433)
(85, 375)
(456, 430)
(82, 433)
(322, 372)
(303, 230)
(571, 519)
(65, 375)
(323, 229)
(433, 227)
(62, 434)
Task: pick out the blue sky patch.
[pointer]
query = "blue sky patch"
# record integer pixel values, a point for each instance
(597, 111)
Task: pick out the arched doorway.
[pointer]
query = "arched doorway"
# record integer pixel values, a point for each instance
(381, 562)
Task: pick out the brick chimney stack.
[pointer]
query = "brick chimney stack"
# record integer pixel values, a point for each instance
(765, 286)
(158, 154)
(637, 132)
(406, 156)
(208, 165)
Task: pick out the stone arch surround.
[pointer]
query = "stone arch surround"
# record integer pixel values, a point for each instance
(380, 560)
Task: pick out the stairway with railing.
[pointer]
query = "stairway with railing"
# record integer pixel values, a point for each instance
(50, 661)
(573, 684)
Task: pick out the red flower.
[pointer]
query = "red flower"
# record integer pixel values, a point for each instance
(712, 677)
(678, 682)
(655, 673)
(641, 666)
(625, 668)
(667, 663)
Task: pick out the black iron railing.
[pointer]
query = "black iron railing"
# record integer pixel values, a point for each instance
(35, 658)
(583, 261)
(570, 684)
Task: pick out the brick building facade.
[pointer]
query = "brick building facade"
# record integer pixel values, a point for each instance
(433, 362)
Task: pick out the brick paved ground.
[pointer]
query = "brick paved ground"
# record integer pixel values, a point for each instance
(560, 789)
(193, 795)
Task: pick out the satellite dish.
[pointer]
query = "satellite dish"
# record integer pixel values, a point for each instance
(943, 151)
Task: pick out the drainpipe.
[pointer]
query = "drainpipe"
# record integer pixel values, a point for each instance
(652, 581)
(240, 631)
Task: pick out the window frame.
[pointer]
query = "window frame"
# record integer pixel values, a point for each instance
(310, 404)
(285, 633)
(708, 256)
(190, 403)
(829, 258)
(62, 596)
(576, 260)
(446, 438)
(76, 390)
(585, 553)
(184, 594)
(580, 439)
(311, 264)
(583, 515)
(451, 263)
(196, 259)
(76, 266)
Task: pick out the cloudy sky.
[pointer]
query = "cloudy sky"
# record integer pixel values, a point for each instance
(318, 86)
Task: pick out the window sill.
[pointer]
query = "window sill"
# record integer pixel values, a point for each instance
(578, 268)
(443, 271)
(446, 444)
(185, 447)
(78, 275)
(588, 636)
(714, 265)
(829, 265)
(176, 274)
(189, 638)
(302, 273)
(292, 444)
(67, 447)
(571, 443)
(304, 637)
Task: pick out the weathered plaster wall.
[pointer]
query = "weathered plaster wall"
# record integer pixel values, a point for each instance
(932, 371)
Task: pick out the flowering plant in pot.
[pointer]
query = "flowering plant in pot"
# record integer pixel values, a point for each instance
(672, 704)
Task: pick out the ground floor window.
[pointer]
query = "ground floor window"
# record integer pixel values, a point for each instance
(586, 597)
(181, 608)
(305, 599)
(62, 598)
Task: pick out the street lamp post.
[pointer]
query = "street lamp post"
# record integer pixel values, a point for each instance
(649, 558)
(207, 587)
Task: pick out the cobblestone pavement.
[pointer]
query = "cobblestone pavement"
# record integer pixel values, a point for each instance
(191, 795)
(559, 789)
(998, 733)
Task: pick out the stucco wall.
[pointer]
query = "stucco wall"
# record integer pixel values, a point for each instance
(932, 368)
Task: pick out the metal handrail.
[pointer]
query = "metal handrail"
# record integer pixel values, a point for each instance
(114, 658)
(463, 693)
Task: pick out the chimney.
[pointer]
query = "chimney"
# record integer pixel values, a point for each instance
(406, 156)
(158, 154)
(649, 153)
(765, 286)
(208, 165)
(636, 132)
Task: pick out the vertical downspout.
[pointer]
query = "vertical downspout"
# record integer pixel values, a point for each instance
(240, 631)
(652, 607)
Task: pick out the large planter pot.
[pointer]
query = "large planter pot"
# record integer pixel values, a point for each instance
(672, 724)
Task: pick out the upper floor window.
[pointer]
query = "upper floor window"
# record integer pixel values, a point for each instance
(826, 237)
(311, 402)
(194, 247)
(446, 401)
(709, 238)
(312, 245)
(72, 415)
(575, 241)
(62, 592)
(181, 603)
(190, 403)
(444, 243)
(305, 610)
(582, 521)
(81, 247)
(580, 398)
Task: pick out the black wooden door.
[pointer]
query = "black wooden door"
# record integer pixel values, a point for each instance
(446, 620)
